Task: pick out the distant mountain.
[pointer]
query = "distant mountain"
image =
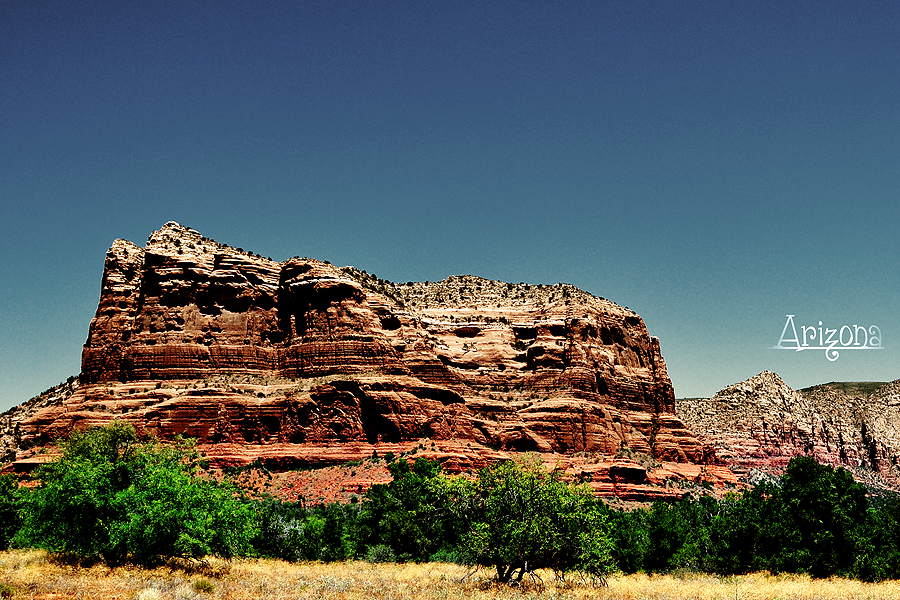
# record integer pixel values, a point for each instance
(759, 424)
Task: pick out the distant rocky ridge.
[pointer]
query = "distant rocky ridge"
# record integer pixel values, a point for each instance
(10, 421)
(761, 423)
(300, 363)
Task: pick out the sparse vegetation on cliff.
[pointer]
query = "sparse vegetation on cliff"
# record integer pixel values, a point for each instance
(462, 290)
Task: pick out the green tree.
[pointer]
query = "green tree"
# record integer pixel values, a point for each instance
(678, 534)
(630, 540)
(815, 521)
(736, 532)
(9, 510)
(286, 532)
(667, 531)
(521, 518)
(412, 514)
(337, 531)
(173, 512)
(113, 497)
(878, 557)
(824, 511)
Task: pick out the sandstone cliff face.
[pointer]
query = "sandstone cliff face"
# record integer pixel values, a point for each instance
(187, 307)
(300, 362)
(762, 423)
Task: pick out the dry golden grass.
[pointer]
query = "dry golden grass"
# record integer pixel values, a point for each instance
(32, 574)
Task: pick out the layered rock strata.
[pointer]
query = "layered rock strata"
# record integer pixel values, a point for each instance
(301, 363)
(187, 307)
(761, 423)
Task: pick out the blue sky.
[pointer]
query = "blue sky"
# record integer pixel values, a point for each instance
(714, 166)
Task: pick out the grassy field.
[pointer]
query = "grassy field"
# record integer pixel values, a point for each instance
(32, 574)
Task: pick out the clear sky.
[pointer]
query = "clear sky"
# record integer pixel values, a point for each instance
(714, 166)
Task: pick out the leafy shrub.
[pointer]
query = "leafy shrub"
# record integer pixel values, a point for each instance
(9, 510)
(380, 553)
(412, 514)
(292, 532)
(110, 496)
(283, 531)
(447, 556)
(520, 518)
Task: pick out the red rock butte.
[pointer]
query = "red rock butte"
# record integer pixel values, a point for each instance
(301, 363)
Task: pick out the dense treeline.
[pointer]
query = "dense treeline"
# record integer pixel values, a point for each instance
(515, 517)
(817, 520)
(114, 498)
